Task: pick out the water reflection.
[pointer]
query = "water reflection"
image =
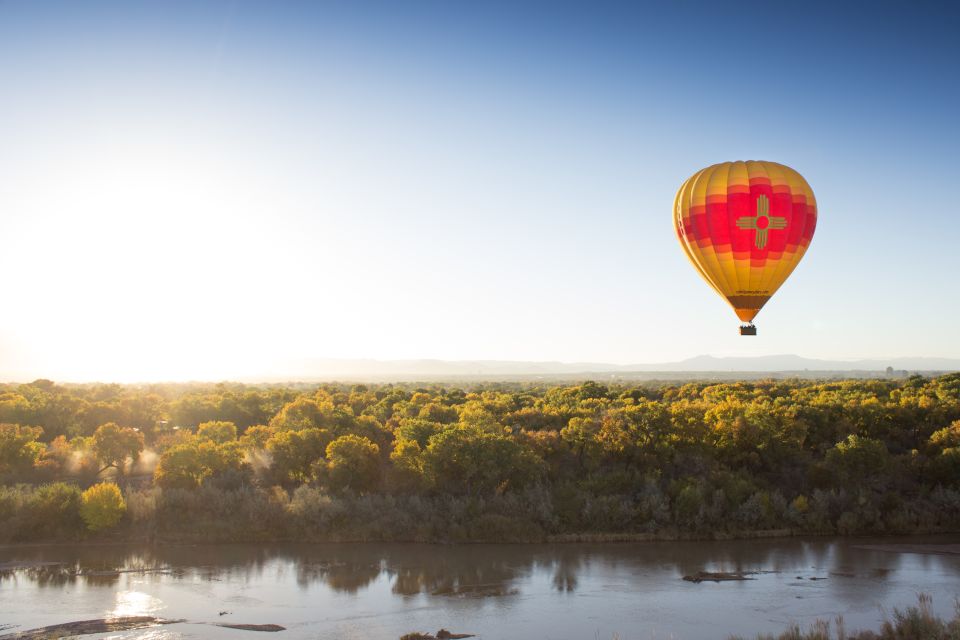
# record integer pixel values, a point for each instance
(502, 590)
(475, 570)
(347, 575)
(470, 570)
(565, 568)
(59, 574)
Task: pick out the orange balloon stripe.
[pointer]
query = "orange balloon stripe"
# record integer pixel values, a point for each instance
(708, 269)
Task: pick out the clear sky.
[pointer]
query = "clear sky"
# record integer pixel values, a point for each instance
(196, 190)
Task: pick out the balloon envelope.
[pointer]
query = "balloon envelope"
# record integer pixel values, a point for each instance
(745, 226)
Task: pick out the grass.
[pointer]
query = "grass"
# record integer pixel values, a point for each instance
(913, 623)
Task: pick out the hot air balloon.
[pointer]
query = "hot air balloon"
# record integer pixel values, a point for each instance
(744, 226)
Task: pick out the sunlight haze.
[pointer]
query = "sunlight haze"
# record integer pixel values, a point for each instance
(203, 191)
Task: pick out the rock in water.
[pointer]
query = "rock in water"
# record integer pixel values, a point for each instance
(719, 576)
(252, 627)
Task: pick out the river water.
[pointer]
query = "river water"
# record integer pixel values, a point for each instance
(562, 591)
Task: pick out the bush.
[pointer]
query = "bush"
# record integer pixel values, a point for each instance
(102, 506)
(142, 504)
(48, 512)
(214, 514)
(55, 511)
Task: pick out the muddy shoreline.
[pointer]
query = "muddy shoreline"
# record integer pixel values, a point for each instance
(560, 538)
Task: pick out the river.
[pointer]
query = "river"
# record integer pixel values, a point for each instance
(562, 591)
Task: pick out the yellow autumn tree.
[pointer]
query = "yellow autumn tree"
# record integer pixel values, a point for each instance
(102, 506)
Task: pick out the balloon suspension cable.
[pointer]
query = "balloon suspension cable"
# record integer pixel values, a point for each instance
(748, 329)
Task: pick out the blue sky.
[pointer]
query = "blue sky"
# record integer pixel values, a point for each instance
(195, 190)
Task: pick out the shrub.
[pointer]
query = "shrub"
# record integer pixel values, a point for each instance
(214, 514)
(142, 504)
(48, 512)
(102, 506)
(55, 511)
(688, 504)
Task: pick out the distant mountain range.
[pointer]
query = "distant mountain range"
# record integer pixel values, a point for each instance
(789, 362)
(704, 367)
(328, 369)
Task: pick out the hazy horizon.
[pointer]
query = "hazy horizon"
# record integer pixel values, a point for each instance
(191, 191)
(312, 370)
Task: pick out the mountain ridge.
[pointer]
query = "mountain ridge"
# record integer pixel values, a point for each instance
(782, 363)
(436, 370)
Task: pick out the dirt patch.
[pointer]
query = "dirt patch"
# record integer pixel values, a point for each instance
(128, 623)
(84, 627)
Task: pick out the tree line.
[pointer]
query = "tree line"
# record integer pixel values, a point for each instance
(489, 461)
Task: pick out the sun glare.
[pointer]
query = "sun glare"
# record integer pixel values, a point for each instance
(134, 603)
(151, 254)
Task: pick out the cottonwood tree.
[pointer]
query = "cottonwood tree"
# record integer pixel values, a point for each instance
(469, 460)
(296, 452)
(353, 464)
(112, 445)
(19, 448)
(217, 431)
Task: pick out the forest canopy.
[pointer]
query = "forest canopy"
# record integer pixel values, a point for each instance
(489, 461)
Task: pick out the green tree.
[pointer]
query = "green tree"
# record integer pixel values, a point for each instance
(190, 464)
(946, 438)
(19, 449)
(437, 412)
(14, 408)
(353, 464)
(581, 434)
(407, 466)
(473, 461)
(217, 431)
(618, 434)
(370, 428)
(181, 467)
(945, 467)
(302, 413)
(112, 445)
(295, 453)
(858, 459)
(256, 437)
(418, 430)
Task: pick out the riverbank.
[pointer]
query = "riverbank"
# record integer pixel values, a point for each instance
(115, 538)
(253, 514)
